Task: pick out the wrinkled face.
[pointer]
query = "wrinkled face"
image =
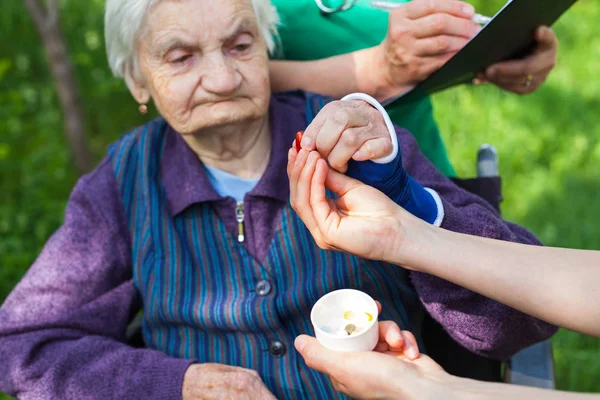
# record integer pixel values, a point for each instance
(204, 63)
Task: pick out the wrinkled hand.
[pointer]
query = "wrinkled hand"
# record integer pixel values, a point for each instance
(422, 36)
(219, 381)
(345, 130)
(527, 74)
(362, 221)
(373, 375)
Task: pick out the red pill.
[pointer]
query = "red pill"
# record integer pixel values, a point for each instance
(298, 140)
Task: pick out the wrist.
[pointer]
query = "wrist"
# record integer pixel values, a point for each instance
(372, 73)
(365, 66)
(415, 244)
(374, 76)
(456, 388)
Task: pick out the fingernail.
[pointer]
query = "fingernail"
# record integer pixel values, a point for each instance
(299, 343)
(396, 337)
(307, 143)
(468, 9)
(412, 352)
(356, 156)
(476, 81)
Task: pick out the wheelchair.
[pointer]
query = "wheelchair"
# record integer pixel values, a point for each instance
(533, 366)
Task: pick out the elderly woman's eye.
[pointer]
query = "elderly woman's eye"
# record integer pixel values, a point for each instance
(181, 59)
(242, 47)
(242, 43)
(178, 57)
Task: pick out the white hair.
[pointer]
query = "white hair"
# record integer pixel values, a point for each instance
(123, 21)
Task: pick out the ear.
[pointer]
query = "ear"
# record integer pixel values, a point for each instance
(137, 86)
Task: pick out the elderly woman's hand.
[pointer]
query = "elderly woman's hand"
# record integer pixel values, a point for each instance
(219, 381)
(527, 74)
(362, 221)
(349, 129)
(372, 375)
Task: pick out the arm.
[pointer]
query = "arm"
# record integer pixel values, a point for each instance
(422, 35)
(62, 328)
(482, 325)
(335, 76)
(360, 375)
(556, 285)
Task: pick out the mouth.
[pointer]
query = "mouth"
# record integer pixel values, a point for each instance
(218, 101)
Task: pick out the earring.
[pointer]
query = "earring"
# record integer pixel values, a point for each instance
(143, 109)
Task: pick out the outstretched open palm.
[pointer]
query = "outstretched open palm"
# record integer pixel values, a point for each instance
(362, 220)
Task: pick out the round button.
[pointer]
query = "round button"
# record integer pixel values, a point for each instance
(276, 348)
(263, 288)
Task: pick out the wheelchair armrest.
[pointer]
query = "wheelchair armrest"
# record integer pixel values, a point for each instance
(533, 367)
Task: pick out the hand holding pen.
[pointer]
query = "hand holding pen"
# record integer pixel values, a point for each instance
(422, 36)
(518, 76)
(388, 6)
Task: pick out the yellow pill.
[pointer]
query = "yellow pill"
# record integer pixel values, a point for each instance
(348, 315)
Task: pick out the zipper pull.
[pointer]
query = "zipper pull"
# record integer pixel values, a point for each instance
(239, 213)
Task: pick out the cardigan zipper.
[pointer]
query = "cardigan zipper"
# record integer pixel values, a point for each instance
(239, 213)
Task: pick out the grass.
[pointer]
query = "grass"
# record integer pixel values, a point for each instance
(549, 149)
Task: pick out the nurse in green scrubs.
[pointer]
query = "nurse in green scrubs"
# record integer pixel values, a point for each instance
(385, 53)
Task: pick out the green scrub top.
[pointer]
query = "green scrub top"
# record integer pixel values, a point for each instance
(306, 34)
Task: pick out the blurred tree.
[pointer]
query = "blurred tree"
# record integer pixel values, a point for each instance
(47, 22)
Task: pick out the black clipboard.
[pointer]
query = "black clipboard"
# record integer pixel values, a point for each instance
(510, 35)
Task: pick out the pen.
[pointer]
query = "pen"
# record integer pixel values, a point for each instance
(388, 5)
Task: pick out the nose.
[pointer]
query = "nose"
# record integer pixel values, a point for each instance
(222, 78)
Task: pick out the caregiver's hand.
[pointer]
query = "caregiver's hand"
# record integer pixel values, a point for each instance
(527, 74)
(422, 36)
(396, 342)
(372, 375)
(344, 130)
(362, 221)
(219, 381)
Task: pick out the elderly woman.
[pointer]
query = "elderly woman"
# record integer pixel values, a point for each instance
(188, 217)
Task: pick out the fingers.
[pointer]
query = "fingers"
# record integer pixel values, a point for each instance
(342, 128)
(318, 357)
(390, 333)
(340, 184)
(546, 39)
(323, 133)
(427, 65)
(444, 25)
(411, 348)
(373, 149)
(394, 340)
(340, 123)
(350, 141)
(513, 75)
(301, 167)
(420, 8)
(439, 45)
(510, 71)
(480, 79)
(324, 211)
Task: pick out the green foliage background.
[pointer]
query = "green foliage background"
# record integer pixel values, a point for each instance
(549, 144)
